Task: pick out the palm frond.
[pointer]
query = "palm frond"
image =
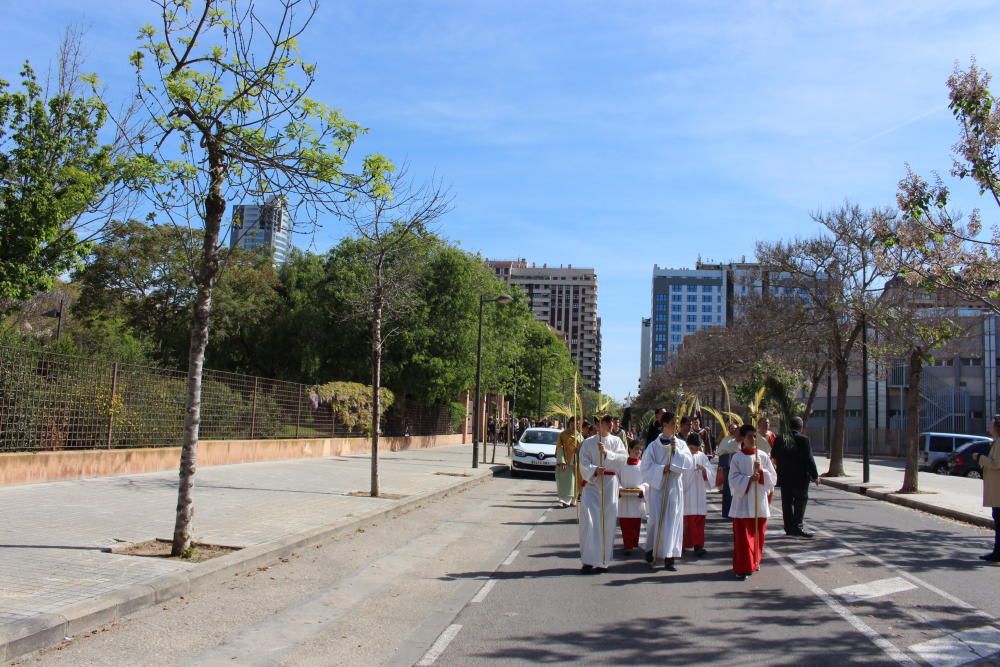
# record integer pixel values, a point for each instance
(719, 418)
(755, 404)
(787, 407)
(559, 410)
(734, 417)
(725, 392)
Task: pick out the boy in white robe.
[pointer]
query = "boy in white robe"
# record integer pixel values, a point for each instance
(631, 502)
(601, 457)
(696, 484)
(752, 477)
(663, 463)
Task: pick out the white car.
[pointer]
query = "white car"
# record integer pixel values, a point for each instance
(535, 451)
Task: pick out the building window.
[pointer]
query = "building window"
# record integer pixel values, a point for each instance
(661, 307)
(707, 288)
(676, 338)
(675, 327)
(707, 298)
(706, 309)
(691, 328)
(692, 288)
(661, 297)
(707, 319)
(676, 308)
(692, 309)
(692, 297)
(972, 361)
(692, 318)
(675, 288)
(661, 327)
(675, 318)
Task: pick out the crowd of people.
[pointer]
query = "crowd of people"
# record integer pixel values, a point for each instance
(662, 478)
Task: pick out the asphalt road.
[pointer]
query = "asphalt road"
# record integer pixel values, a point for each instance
(492, 576)
(879, 584)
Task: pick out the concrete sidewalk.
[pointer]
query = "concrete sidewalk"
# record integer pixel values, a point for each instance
(56, 579)
(957, 498)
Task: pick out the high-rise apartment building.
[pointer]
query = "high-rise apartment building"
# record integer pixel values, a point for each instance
(684, 301)
(267, 227)
(565, 298)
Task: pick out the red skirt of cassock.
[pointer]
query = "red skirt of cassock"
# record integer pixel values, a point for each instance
(746, 554)
(694, 530)
(630, 531)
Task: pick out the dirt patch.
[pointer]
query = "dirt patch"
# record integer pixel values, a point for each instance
(367, 494)
(160, 548)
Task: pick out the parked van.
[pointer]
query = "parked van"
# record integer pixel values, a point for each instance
(937, 447)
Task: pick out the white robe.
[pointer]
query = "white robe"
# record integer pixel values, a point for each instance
(590, 499)
(630, 506)
(763, 445)
(740, 477)
(654, 462)
(696, 486)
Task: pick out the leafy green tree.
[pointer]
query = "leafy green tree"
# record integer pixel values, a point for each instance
(141, 275)
(225, 95)
(54, 174)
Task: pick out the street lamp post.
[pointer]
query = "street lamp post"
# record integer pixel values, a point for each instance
(541, 365)
(476, 426)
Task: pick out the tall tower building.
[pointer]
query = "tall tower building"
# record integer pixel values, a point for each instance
(267, 226)
(565, 298)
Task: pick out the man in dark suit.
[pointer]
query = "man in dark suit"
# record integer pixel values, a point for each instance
(654, 429)
(796, 469)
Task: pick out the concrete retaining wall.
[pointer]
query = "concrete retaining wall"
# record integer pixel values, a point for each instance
(31, 467)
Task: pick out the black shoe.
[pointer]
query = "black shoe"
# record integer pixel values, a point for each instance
(587, 569)
(803, 533)
(600, 570)
(742, 577)
(649, 556)
(668, 565)
(700, 552)
(991, 558)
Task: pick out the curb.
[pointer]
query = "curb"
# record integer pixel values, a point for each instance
(907, 501)
(45, 630)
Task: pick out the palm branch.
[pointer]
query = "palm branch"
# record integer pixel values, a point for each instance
(786, 406)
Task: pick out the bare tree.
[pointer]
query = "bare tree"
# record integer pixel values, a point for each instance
(839, 279)
(390, 221)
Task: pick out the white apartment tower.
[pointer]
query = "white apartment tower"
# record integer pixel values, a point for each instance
(565, 298)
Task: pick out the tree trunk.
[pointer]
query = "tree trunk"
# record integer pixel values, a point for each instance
(837, 443)
(813, 388)
(911, 474)
(215, 206)
(376, 389)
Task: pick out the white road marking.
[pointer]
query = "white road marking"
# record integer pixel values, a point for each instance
(439, 647)
(915, 579)
(887, 647)
(874, 589)
(528, 535)
(484, 591)
(959, 648)
(510, 558)
(819, 556)
(542, 518)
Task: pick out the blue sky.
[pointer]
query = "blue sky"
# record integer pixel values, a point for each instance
(617, 135)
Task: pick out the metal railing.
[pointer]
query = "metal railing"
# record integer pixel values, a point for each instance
(52, 401)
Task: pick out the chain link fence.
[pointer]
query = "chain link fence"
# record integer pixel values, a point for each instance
(51, 401)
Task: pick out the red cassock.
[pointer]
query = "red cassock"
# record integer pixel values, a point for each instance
(747, 553)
